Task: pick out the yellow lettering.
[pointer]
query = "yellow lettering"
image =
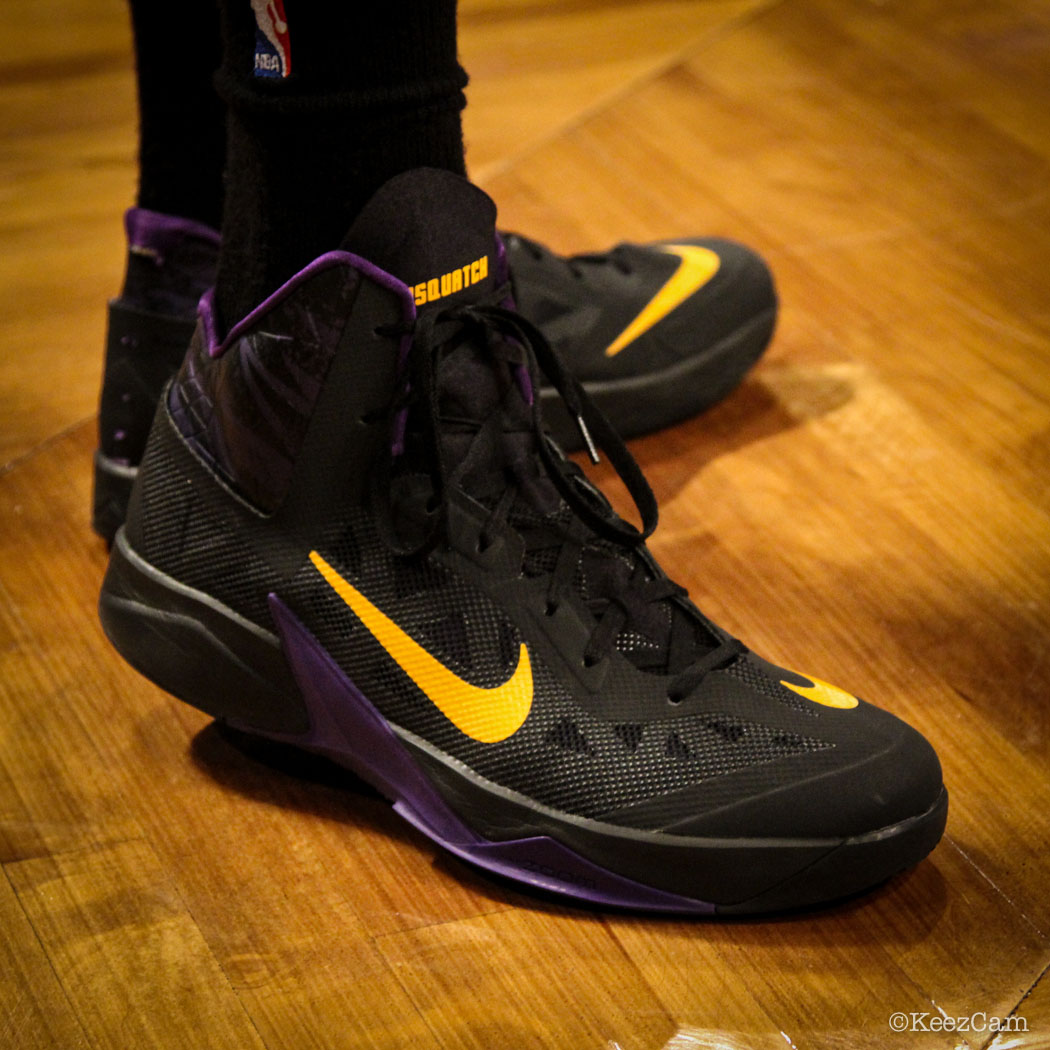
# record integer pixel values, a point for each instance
(451, 282)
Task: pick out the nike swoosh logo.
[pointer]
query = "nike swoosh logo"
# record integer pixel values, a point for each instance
(695, 268)
(485, 715)
(823, 693)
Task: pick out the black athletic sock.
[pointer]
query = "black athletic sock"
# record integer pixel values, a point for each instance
(370, 91)
(182, 140)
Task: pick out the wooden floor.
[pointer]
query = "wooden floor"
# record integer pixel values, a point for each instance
(873, 504)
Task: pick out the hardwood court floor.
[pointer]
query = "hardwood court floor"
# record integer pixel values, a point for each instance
(873, 504)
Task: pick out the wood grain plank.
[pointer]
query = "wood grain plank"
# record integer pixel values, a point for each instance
(485, 982)
(537, 70)
(128, 954)
(62, 31)
(876, 463)
(67, 178)
(833, 978)
(991, 57)
(36, 1012)
(55, 793)
(1027, 1026)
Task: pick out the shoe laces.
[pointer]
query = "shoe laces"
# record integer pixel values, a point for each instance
(464, 418)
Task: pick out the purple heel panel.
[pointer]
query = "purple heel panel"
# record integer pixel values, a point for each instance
(160, 233)
(347, 728)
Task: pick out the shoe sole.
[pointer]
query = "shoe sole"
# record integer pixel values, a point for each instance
(655, 400)
(286, 687)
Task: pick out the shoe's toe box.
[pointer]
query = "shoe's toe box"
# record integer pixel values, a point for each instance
(862, 791)
(739, 291)
(861, 770)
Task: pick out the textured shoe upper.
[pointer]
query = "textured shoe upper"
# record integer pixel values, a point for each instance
(639, 308)
(453, 562)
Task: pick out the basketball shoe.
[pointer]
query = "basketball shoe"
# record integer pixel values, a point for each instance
(656, 333)
(351, 533)
(171, 263)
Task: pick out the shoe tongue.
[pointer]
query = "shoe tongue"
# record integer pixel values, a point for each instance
(433, 230)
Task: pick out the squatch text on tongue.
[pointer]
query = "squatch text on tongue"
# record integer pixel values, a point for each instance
(451, 282)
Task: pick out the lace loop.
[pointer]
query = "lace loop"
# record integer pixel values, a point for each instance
(464, 417)
(515, 342)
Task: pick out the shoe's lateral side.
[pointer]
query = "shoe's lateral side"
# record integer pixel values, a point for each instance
(349, 533)
(656, 333)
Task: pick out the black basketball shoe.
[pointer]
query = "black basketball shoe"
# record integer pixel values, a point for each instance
(350, 532)
(171, 263)
(655, 333)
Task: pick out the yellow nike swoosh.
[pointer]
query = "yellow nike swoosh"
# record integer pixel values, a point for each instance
(823, 693)
(486, 715)
(697, 267)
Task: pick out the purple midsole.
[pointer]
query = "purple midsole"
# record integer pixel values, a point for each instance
(347, 728)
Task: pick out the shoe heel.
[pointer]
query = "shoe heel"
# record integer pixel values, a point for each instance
(110, 494)
(196, 648)
(143, 349)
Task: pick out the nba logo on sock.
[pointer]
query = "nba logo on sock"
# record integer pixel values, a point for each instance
(273, 55)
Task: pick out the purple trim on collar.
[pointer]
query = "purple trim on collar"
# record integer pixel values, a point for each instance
(156, 232)
(217, 348)
(521, 373)
(206, 314)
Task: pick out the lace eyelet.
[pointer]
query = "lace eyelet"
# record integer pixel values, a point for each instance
(551, 609)
(589, 662)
